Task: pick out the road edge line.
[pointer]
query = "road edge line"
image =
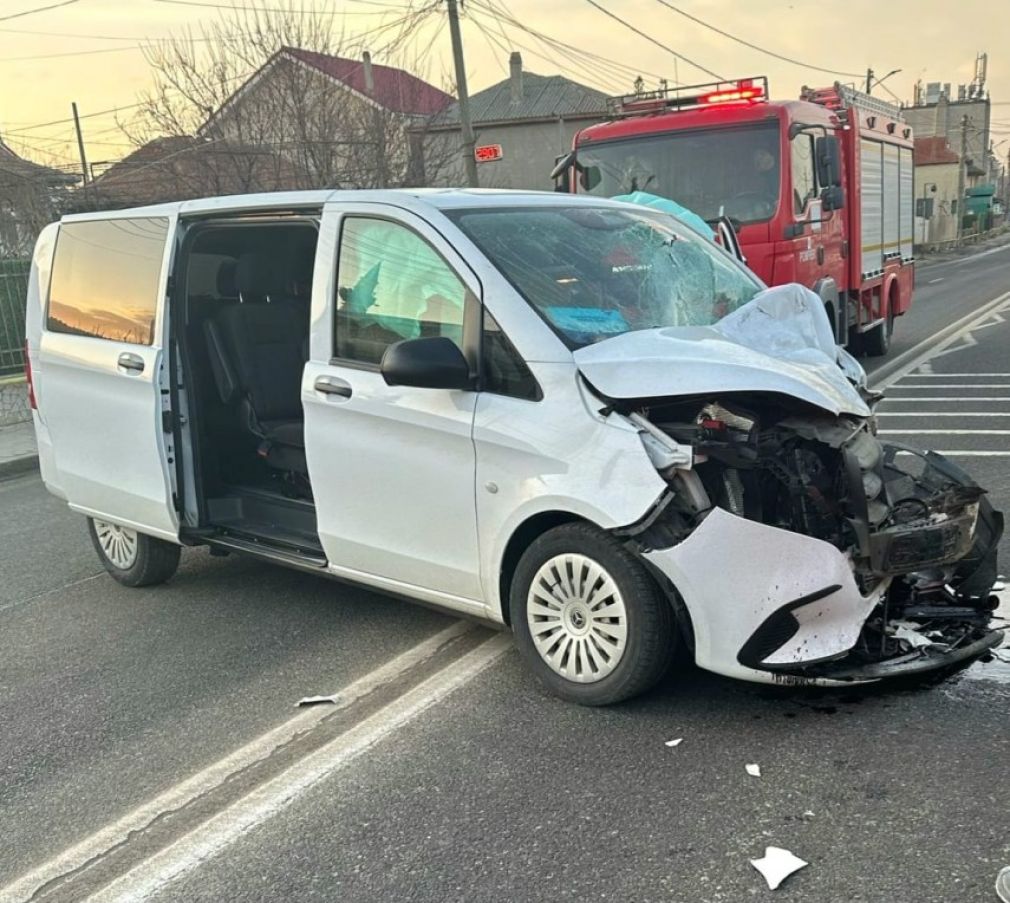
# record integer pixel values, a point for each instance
(77, 856)
(891, 371)
(217, 833)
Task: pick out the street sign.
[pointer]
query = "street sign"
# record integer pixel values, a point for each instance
(487, 153)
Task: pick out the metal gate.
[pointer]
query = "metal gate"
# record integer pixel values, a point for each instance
(13, 295)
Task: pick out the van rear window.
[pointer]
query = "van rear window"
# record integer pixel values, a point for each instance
(106, 277)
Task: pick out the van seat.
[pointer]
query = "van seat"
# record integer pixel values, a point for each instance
(256, 349)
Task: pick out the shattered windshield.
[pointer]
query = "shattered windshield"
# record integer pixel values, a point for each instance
(710, 171)
(597, 272)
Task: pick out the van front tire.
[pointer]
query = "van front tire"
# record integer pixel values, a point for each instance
(132, 558)
(588, 619)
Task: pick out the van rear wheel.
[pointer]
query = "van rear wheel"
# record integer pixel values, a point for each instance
(588, 618)
(133, 558)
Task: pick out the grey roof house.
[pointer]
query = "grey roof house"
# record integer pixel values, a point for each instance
(522, 124)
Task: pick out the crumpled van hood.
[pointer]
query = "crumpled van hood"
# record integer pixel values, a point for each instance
(780, 341)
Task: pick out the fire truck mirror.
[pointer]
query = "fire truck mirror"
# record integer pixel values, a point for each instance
(829, 163)
(832, 198)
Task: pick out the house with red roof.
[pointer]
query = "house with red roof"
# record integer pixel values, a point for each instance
(342, 122)
(936, 185)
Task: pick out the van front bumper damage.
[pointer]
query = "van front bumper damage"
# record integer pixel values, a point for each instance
(810, 553)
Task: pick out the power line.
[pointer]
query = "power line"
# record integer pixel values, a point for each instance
(53, 56)
(756, 47)
(68, 34)
(38, 9)
(277, 9)
(652, 40)
(555, 42)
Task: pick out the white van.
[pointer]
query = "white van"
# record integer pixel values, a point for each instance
(574, 417)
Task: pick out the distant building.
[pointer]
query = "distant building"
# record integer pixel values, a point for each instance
(30, 197)
(936, 184)
(341, 122)
(936, 114)
(184, 166)
(521, 125)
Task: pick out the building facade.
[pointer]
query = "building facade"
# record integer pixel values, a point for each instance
(521, 125)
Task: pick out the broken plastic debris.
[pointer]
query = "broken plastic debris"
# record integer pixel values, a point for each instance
(319, 700)
(1003, 884)
(999, 586)
(909, 632)
(777, 865)
(808, 814)
(676, 742)
(753, 770)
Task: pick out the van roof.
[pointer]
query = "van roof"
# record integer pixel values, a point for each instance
(438, 198)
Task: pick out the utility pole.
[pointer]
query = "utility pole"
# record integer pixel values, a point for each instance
(466, 127)
(869, 81)
(961, 174)
(80, 144)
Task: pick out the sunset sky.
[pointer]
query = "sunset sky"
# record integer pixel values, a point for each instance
(89, 52)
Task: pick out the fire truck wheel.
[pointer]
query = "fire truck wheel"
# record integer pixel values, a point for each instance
(877, 341)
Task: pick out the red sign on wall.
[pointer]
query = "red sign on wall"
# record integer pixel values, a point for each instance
(487, 153)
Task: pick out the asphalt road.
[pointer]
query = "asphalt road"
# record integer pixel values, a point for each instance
(143, 713)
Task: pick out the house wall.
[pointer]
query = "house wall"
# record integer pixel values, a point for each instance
(943, 224)
(334, 137)
(529, 151)
(944, 118)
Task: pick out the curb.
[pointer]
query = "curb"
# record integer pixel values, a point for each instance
(18, 466)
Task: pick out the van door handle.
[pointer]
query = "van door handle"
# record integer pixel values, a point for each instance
(132, 363)
(330, 385)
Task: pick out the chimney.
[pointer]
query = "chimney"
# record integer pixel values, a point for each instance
(516, 76)
(366, 59)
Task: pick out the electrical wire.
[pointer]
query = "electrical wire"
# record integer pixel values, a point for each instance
(559, 44)
(278, 9)
(652, 40)
(38, 9)
(756, 47)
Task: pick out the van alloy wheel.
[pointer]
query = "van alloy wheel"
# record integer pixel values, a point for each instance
(118, 543)
(577, 618)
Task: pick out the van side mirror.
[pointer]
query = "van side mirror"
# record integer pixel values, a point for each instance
(562, 172)
(432, 362)
(829, 161)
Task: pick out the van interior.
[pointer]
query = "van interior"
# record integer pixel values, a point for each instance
(244, 290)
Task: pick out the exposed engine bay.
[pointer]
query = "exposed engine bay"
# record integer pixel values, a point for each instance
(916, 532)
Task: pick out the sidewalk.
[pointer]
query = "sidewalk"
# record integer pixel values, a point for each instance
(17, 449)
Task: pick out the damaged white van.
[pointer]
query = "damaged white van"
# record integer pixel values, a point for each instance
(574, 417)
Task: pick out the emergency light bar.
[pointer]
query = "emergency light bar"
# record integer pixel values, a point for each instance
(741, 91)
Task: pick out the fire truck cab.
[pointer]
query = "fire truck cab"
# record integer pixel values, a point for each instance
(820, 190)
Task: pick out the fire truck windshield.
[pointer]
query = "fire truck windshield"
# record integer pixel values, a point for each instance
(734, 171)
(596, 272)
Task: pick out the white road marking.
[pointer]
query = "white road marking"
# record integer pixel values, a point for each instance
(935, 281)
(266, 801)
(954, 375)
(216, 774)
(932, 386)
(891, 399)
(933, 346)
(943, 432)
(965, 453)
(942, 414)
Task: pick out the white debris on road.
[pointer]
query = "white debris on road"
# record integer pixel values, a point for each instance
(1003, 884)
(676, 742)
(909, 632)
(753, 770)
(777, 865)
(319, 700)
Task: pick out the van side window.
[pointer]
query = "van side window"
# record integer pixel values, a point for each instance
(504, 371)
(391, 285)
(106, 278)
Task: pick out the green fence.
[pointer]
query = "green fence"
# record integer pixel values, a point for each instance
(13, 291)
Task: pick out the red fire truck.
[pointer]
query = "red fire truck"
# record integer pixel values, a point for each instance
(820, 190)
